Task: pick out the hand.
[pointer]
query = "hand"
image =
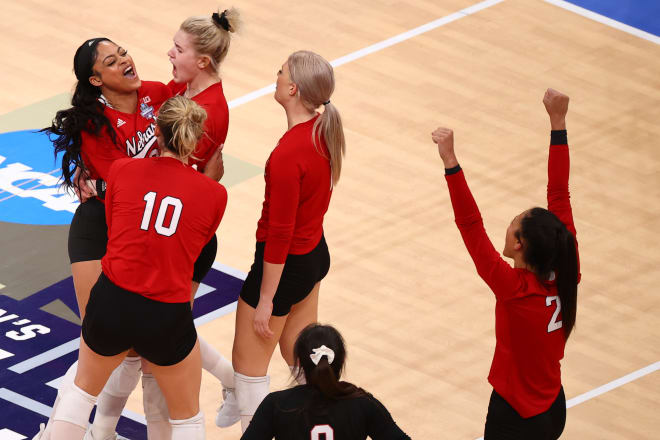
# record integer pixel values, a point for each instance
(556, 104)
(444, 137)
(84, 187)
(262, 317)
(215, 168)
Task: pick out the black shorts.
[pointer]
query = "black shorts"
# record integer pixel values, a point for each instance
(88, 233)
(504, 422)
(117, 319)
(300, 274)
(205, 259)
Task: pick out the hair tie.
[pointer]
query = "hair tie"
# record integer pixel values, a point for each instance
(221, 20)
(326, 102)
(318, 353)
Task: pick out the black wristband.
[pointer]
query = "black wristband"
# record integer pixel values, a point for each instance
(100, 189)
(558, 137)
(454, 170)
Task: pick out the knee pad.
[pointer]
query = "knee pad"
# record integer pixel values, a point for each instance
(125, 378)
(155, 405)
(250, 391)
(189, 429)
(75, 406)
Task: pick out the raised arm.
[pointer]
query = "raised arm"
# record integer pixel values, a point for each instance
(497, 273)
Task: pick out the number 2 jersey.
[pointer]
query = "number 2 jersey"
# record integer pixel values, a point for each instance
(160, 213)
(529, 338)
(135, 132)
(280, 416)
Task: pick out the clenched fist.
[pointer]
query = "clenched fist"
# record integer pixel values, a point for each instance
(444, 137)
(556, 104)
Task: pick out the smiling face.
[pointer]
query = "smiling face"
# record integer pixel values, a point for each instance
(186, 62)
(114, 69)
(512, 244)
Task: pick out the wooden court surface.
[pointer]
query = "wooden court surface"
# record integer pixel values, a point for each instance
(418, 321)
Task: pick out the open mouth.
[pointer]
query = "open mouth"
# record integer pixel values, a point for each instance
(129, 72)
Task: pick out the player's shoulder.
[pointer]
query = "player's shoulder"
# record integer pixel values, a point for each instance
(119, 166)
(156, 90)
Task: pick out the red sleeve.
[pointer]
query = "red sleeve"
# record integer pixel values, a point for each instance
(221, 204)
(109, 192)
(98, 153)
(503, 280)
(559, 197)
(284, 180)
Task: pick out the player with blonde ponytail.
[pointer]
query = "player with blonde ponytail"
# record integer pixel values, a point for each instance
(280, 294)
(157, 225)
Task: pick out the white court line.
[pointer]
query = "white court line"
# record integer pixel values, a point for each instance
(378, 46)
(8, 434)
(25, 402)
(215, 314)
(229, 270)
(606, 20)
(616, 383)
(46, 356)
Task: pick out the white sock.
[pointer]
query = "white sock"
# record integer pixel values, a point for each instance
(294, 373)
(250, 391)
(112, 399)
(189, 429)
(216, 364)
(72, 416)
(66, 382)
(155, 409)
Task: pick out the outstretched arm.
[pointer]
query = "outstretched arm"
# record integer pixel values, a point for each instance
(497, 273)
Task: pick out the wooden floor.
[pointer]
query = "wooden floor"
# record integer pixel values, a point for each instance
(418, 321)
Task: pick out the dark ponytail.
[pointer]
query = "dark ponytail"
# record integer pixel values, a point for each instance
(86, 113)
(324, 376)
(548, 246)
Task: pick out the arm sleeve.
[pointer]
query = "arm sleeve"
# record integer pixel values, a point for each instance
(285, 179)
(497, 273)
(221, 206)
(381, 425)
(99, 152)
(559, 197)
(261, 427)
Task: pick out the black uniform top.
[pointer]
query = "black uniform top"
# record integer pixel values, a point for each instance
(280, 416)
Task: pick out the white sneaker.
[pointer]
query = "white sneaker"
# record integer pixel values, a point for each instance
(42, 428)
(228, 413)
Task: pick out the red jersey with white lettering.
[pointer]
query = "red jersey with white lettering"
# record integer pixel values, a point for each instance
(212, 99)
(160, 214)
(135, 132)
(298, 190)
(529, 338)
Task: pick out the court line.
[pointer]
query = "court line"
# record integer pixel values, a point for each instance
(616, 383)
(379, 46)
(46, 356)
(605, 20)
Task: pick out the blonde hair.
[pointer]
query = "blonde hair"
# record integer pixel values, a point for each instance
(315, 79)
(211, 38)
(181, 121)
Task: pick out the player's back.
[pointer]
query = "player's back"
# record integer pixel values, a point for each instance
(160, 214)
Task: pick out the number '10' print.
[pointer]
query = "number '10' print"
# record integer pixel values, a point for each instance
(168, 231)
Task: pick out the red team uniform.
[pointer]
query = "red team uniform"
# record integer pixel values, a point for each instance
(212, 99)
(158, 223)
(530, 340)
(135, 132)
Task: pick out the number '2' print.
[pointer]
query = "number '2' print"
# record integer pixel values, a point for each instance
(553, 324)
(168, 201)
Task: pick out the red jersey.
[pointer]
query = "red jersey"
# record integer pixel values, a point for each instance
(135, 132)
(298, 190)
(529, 338)
(212, 99)
(160, 214)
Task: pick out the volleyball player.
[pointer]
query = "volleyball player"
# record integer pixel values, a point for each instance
(280, 294)
(536, 299)
(324, 407)
(157, 226)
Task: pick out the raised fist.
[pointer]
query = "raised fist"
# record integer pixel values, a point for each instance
(444, 137)
(556, 104)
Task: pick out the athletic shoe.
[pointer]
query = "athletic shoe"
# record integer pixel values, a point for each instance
(228, 413)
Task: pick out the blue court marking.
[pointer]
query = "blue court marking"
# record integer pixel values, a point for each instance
(37, 348)
(641, 14)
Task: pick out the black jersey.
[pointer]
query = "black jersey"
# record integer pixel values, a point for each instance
(280, 416)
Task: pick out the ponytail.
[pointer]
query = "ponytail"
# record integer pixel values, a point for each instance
(548, 246)
(85, 114)
(315, 79)
(181, 121)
